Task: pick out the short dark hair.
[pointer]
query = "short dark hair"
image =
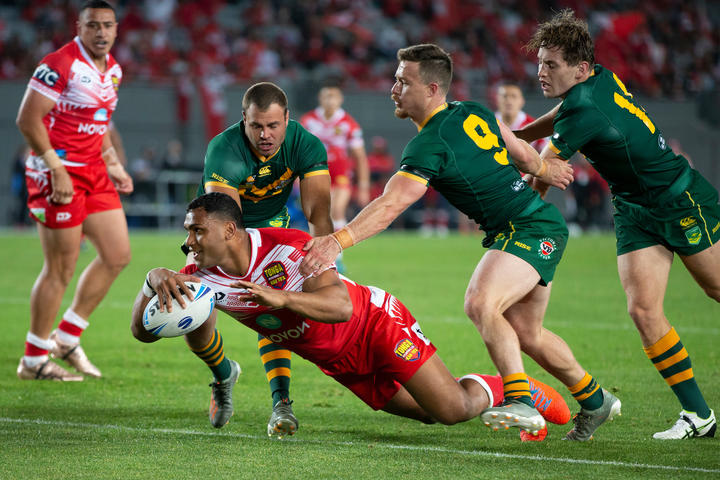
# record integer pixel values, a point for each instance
(569, 34)
(435, 63)
(264, 94)
(96, 4)
(219, 205)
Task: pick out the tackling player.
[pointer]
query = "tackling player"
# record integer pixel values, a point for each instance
(465, 154)
(73, 176)
(662, 205)
(256, 162)
(361, 336)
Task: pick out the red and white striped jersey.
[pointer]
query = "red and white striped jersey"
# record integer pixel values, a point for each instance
(520, 121)
(276, 254)
(85, 99)
(339, 133)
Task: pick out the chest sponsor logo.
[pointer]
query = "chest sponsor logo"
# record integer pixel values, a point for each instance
(268, 321)
(407, 350)
(275, 275)
(46, 75)
(115, 81)
(518, 185)
(547, 247)
(84, 79)
(688, 222)
(232, 300)
(291, 334)
(264, 171)
(693, 235)
(92, 128)
(63, 216)
(39, 213)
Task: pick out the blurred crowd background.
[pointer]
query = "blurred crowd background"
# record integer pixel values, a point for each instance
(195, 58)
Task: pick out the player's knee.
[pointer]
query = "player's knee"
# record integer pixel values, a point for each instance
(479, 309)
(117, 261)
(141, 334)
(643, 315)
(713, 292)
(453, 413)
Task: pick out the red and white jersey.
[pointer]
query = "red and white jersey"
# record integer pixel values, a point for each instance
(85, 99)
(520, 121)
(339, 133)
(276, 254)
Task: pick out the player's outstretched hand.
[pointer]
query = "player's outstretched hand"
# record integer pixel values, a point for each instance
(123, 182)
(557, 174)
(261, 294)
(168, 285)
(321, 252)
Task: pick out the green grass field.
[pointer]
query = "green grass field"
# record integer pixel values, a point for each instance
(147, 418)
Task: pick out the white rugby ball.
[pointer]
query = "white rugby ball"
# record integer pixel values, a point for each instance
(181, 320)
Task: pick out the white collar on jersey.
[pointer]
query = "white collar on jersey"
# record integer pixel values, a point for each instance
(339, 113)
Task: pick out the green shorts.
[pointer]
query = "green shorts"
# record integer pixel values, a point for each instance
(281, 220)
(685, 224)
(538, 237)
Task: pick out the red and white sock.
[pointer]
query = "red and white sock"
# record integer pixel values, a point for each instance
(492, 384)
(36, 349)
(71, 327)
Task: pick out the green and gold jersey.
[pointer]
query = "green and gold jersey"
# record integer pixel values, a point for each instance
(601, 119)
(460, 152)
(263, 183)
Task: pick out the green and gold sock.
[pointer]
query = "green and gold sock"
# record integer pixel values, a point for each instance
(213, 355)
(276, 361)
(673, 362)
(588, 393)
(516, 387)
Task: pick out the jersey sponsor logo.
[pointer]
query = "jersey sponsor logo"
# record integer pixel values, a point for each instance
(518, 185)
(218, 178)
(693, 235)
(688, 222)
(232, 300)
(39, 213)
(522, 245)
(268, 321)
(63, 216)
(46, 75)
(407, 350)
(264, 171)
(85, 79)
(115, 81)
(275, 275)
(547, 247)
(92, 128)
(292, 333)
(101, 115)
(661, 142)
(416, 328)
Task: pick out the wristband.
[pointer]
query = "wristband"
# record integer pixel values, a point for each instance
(147, 289)
(110, 157)
(344, 238)
(51, 159)
(542, 170)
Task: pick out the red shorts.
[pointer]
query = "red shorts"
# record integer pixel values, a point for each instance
(387, 355)
(94, 192)
(340, 168)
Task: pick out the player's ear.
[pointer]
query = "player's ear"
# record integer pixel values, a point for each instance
(230, 229)
(583, 69)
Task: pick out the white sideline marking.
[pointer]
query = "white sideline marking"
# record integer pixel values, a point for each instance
(389, 446)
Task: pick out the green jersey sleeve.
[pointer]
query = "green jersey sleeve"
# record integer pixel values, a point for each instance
(225, 164)
(309, 154)
(423, 159)
(576, 124)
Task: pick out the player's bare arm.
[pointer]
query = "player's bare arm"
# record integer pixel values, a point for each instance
(226, 189)
(315, 202)
(400, 192)
(540, 127)
(552, 172)
(33, 108)
(324, 298)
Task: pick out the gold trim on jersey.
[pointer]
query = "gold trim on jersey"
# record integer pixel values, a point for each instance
(255, 194)
(553, 148)
(262, 158)
(216, 184)
(411, 176)
(432, 114)
(316, 173)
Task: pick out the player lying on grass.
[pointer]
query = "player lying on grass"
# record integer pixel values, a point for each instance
(361, 336)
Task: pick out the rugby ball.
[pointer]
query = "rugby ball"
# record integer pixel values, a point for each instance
(181, 320)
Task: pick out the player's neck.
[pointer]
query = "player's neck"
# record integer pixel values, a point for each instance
(237, 262)
(432, 107)
(509, 119)
(328, 114)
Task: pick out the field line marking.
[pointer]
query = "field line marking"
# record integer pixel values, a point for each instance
(388, 446)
